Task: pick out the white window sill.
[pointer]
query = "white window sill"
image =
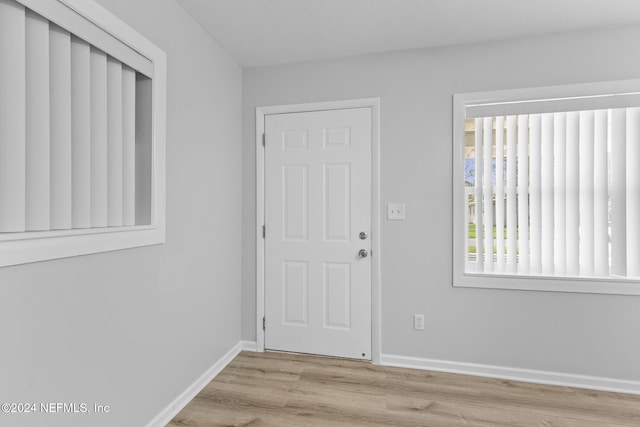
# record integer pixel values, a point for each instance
(42, 246)
(548, 284)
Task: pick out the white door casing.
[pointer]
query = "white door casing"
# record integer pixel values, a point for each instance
(317, 202)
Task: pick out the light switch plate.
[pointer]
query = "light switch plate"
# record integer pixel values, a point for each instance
(395, 211)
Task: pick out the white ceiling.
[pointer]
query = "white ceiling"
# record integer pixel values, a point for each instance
(266, 32)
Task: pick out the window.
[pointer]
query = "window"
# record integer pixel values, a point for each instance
(82, 112)
(547, 188)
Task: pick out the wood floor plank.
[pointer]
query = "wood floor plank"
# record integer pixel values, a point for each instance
(527, 389)
(413, 411)
(282, 389)
(548, 402)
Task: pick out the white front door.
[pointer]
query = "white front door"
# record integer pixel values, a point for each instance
(318, 220)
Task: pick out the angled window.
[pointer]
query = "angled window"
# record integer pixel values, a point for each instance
(81, 132)
(547, 188)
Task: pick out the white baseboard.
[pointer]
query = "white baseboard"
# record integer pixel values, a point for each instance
(515, 374)
(167, 414)
(249, 346)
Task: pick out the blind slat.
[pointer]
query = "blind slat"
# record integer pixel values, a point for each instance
(601, 195)
(81, 132)
(98, 138)
(487, 184)
(500, 264)
(572, 196)
(633, 192)
(128, 146)
(523, 194)
(547, 190)
(478, 195)
(619, 192)
(559, 193)
(114, 142)
(586, 163)
(512, 218)
(12, 117)
(60, 101)
(144, 153)
(535, 196)
(38, 160)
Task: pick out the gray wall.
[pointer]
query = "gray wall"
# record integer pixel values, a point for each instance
(572, 333)
(133, 329)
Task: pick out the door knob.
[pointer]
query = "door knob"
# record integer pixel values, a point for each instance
(363, 253)
(363, 235)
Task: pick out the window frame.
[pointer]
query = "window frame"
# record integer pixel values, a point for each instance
(27, 247)
(461, 278)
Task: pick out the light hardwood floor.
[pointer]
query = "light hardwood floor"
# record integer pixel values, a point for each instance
(280, 389)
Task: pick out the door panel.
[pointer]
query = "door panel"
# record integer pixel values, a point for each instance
(296, 292)
(317, 201)
(296, 202)
(337, 202)
(337, 301)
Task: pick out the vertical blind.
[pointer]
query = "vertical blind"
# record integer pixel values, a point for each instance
(555, 193)
(67, 129)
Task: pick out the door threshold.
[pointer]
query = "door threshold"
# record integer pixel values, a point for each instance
(295, 353)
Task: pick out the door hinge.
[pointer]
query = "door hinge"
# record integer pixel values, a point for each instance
(264, 323)
(264, 231)
(264, 140)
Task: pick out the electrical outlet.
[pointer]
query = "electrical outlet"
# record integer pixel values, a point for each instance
(418, 322)
(395, 211)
